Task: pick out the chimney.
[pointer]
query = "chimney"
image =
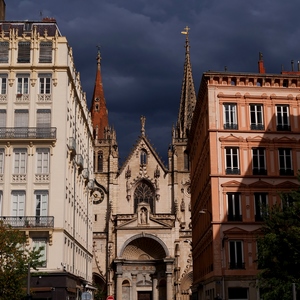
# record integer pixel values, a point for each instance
(2, 10)
(261, 68)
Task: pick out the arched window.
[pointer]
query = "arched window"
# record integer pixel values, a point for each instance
(143, 157)
(100, 161)
(144, 192)
(186, 161)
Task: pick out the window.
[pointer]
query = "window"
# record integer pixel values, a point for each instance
(261, 201)
(144, 192)
(186, 161)
(45, 52)
(42, 161)
(143, 157)
(21, 123)
(236, 257)
(18, 203)
(230, 116)
(259, 161)
(20, 158)
(45, 83)
(282, 118)
(238, 293)
(256, 117)
(22, 84)
(42, 245)
(1, 196)
(100, 161)
(4, 52)
(234, 207)
(232, 161)
(41, 206)
(285, 162)
(23, 52)
(3, 84)
(1, 161)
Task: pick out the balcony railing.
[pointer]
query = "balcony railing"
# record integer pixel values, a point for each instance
(231, 126)
(26, 222)
(232, 171)
(27, 133)
(286, 172)
(257, 171)
(231, 217)
(236, 265)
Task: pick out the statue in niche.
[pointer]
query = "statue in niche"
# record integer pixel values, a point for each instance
(182, 205)
(143, 216)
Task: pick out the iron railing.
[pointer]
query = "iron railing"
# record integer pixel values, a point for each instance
(27, 133)
(28, 221)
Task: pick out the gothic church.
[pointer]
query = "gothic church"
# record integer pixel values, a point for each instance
(142, 227)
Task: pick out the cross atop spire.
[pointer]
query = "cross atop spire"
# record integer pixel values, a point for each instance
(143, 121)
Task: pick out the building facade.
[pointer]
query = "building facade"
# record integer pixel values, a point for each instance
(142, 228)
(244, 152)
(46, 154)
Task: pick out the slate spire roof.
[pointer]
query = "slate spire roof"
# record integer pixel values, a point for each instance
(99, 111)
(188, 95)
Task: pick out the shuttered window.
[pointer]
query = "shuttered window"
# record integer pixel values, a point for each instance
(45, 52)
(2, 118)
(21, 118)
(3, 52)
(23, 52)
(43, 118)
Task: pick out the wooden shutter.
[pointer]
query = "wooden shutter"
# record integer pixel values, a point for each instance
(24, 52)
(45, 52)
(3, 52)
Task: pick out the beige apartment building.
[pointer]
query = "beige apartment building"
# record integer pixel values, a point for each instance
(46, 154)
(244, 151)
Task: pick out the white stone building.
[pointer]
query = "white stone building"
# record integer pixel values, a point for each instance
(46, 150)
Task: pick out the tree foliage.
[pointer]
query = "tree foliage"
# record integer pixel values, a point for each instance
(279, 249)
(14, 260)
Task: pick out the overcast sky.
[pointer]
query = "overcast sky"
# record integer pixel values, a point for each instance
(143, 51)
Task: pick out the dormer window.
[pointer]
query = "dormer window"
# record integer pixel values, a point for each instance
(143, 157)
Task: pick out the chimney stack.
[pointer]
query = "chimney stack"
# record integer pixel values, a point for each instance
(261, 68)
(2, 10)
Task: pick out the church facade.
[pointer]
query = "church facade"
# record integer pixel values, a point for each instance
(142, 227)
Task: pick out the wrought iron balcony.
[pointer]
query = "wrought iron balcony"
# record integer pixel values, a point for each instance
(26, 222)
(27, 133)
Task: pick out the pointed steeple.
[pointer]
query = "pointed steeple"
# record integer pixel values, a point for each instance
(188, 95)
(98, 110)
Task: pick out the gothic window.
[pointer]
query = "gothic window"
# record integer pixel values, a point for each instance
(143, 157)
(186, 161)
(100, 161)
(144, 192)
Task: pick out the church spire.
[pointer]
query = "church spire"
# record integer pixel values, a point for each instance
(188, 95)
(98, 110)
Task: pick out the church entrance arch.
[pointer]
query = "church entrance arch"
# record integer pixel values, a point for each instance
(144, 262)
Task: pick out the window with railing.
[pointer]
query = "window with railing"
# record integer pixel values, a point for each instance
(18, 204)
(230, 116)
(22, 86)
(283, 118)
(259, 161)
(42, 160)
(232, 160)
(20, 160)
(285, 162)
(261, 202)
(3, 84)
(234, 212)
(256, 117)
(236, 255)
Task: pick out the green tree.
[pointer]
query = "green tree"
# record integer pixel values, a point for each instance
(14, 260)
(279, 249)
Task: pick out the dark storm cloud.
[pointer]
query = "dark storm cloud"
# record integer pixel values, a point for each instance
(143, 52)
